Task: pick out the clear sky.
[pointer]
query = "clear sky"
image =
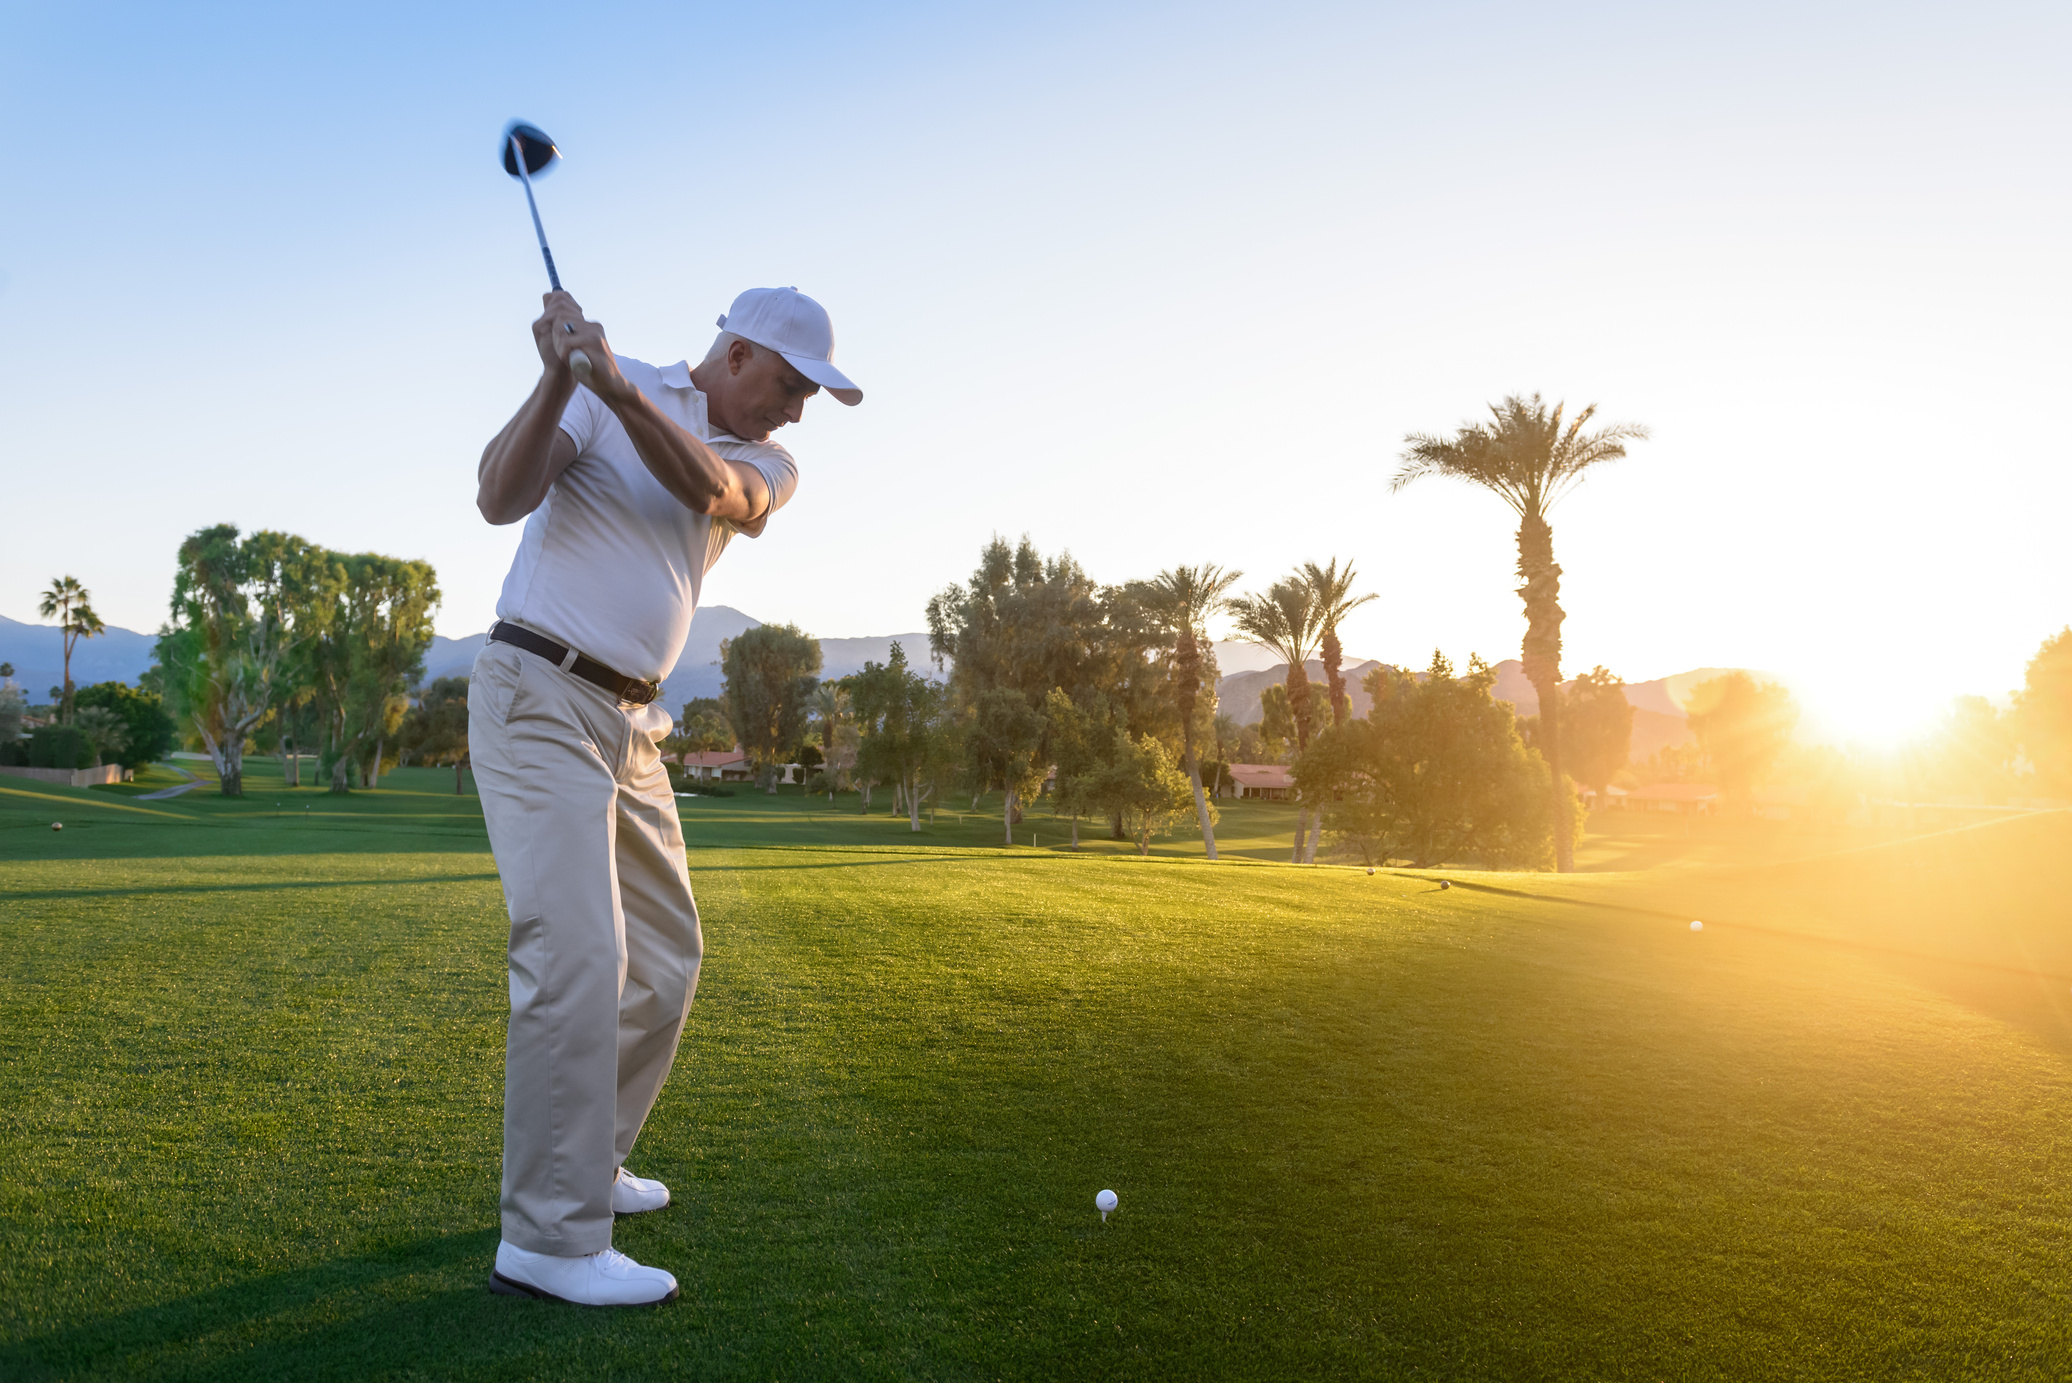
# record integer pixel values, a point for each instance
(1154, 284)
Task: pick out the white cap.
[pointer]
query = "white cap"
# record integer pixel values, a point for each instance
(793, 325)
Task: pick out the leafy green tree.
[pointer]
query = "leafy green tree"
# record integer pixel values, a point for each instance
(1972, 755)
(1005, 733)
(2043, 713)
(13, 707)
(899, 714)
(1285, 622)
(376, 623)
(770, 674)
(1180, 600)
(241, 609)
(435, 730)
(1275, 730)
(1076, 743)
(1434, 772)
(147, 726)
(1020, 626)
(1743, 726)
(1139, 783)
(70, 604)
(704, 728)
(1021, 622)
(1529, 459)
(1596, 727)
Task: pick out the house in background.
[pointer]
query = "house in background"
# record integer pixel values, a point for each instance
(718, 766)
(732, 766)
(1679, 799)
(1272, 782)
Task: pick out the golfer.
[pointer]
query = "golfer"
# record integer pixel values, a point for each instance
(630, 488)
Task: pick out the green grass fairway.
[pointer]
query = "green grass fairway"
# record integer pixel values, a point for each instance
(250, 1079)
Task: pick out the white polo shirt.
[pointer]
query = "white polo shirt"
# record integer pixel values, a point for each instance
(611, 563)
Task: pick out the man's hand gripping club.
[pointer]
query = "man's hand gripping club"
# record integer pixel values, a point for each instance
(522, 462)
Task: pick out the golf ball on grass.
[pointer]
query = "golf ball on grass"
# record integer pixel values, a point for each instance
(1697, 926)
(1446, 883)
(57, 825)
(1105, 1203)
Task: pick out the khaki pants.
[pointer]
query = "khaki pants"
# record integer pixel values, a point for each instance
(605, 943)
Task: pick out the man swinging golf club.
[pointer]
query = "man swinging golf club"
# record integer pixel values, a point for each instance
(630, 488)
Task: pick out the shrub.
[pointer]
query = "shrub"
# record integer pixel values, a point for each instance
(149, 731)
(59, 746)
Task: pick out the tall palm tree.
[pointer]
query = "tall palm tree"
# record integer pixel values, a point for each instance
(1284, 623)
(1182, 599)
(1333, 590)
(1529, 459)
(831, 703)
(69, 602)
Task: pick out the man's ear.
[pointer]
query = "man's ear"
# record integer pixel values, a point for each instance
(739, 353)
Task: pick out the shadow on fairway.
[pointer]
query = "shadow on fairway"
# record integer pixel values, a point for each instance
(380, 1314)
(272, 886)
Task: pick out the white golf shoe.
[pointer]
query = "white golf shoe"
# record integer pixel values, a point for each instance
(606, 1278)
(632, 1195)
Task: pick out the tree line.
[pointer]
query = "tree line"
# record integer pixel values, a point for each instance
(321, 648)
(85, 727)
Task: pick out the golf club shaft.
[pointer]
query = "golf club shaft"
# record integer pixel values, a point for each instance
(539, 231)
(577, 361)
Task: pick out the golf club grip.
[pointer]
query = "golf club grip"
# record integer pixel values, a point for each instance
(579, 365)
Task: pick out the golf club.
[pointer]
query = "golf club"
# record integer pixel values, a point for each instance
(528, 150)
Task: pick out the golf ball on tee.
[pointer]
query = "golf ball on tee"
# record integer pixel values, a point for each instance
(1105, 1202)
(1697, 926)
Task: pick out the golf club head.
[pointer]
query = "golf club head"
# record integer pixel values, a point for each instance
(539, 148)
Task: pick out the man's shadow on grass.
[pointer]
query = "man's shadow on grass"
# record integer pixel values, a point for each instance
(413, 1309)
(268, 886)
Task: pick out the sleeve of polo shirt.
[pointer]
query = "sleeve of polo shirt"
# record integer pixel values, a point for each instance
(779, 471)
(580, 419)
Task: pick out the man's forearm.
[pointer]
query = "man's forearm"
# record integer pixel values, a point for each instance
(518, 464)
(698, 477)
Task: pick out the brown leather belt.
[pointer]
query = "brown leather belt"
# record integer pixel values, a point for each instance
(589, 669)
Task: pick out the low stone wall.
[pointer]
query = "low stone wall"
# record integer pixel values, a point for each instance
(68, 777)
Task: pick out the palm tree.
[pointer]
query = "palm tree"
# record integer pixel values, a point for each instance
(1225, 731)
(1284, 623)
(67, 600)
(1333, 590)
(104, 729)
(1332, 593)
(1182, 599)
(1529, 460)
(831, 703)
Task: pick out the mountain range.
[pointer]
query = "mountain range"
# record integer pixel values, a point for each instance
(1658, 714)
(122, 655)
(38, 654)
(697, 669)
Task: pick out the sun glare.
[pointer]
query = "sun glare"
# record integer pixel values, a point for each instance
(1841, 710)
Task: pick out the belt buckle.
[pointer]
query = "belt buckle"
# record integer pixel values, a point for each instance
(642, 693)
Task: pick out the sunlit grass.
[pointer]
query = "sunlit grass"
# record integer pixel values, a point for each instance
(250, 1075)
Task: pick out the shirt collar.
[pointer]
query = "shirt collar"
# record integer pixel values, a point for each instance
(678, 376)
